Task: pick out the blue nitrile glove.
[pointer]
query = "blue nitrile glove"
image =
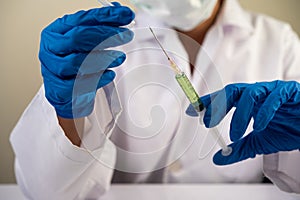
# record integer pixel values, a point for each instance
(275, 108)
(75, 59)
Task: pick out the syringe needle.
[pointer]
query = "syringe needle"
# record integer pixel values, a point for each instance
(172, 63)
(162, 48)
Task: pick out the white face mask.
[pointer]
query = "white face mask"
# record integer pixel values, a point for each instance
(184, 15)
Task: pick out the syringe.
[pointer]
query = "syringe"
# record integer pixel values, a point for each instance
(193, 97)
(108, 3)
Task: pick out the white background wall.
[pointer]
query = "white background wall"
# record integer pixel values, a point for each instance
(20, 26)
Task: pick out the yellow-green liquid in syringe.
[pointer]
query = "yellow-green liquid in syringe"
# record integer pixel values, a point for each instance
(183, 81)
(193, 97)
(187, 87)
(189, 91)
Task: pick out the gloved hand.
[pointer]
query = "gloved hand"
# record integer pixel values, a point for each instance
(275, 108)
(75, 60)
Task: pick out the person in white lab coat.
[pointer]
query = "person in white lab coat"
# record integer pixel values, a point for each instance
(152, 140)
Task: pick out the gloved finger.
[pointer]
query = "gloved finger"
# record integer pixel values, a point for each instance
(90, 83)
(107, 77)
(251, 95)
(207, 99)
(106, 59)
(84, 92)
(85, 39)
(191, 111)
(81, 85)
(110, 16)
(70, 65)
(247, 147)
(222, 103)
(279, 96)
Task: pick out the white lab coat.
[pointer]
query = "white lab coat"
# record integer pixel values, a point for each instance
(153, 133)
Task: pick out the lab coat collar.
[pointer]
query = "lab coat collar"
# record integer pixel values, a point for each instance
(233, 15)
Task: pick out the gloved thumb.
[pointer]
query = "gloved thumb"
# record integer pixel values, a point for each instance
(241, 150)
(107, 77)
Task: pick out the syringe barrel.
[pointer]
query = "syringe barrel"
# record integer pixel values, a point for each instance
(189, 91)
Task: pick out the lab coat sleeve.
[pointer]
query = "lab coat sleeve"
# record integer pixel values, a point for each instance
(291, 52)
(49, 166)
(283, 168)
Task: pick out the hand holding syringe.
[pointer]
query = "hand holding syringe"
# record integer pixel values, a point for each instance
(193, 97)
